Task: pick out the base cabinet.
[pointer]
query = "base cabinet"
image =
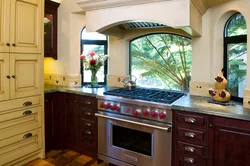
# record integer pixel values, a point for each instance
(53, 121)
(229, 142)
(70, 123)
(206, 140)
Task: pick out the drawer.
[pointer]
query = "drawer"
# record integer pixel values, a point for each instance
(191, 149)
(188, 160)
(20, 103)
(196, 120)
(88, 136)
(20, 145)
(17, 122)
(191, 134)
(87, 113)
(87, 101)
(88, 124)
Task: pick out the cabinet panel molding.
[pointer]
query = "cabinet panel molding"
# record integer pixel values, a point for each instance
(26, 30)
(27, 78)
(4, 72)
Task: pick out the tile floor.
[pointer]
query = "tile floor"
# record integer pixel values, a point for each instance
(65, 158)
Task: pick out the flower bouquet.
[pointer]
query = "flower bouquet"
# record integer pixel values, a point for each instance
(93, 62)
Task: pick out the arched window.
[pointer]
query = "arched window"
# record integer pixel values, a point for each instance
(235, 55)
(161, 61)
(93, 41)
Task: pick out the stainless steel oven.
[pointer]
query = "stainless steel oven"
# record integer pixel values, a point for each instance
(134, 127)
(126, 141)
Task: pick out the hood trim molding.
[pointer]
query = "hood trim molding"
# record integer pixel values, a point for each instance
(88, 5)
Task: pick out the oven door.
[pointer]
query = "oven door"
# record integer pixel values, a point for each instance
(126, 141)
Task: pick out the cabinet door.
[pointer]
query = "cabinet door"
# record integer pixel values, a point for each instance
(4, 74)
(71, 120)
(4, 25)
(231, 142)
(26, 26)
(53, 121)
(25, 72)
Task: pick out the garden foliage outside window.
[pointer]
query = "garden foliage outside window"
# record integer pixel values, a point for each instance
(161, 61)
(93, 41)
(235, 55)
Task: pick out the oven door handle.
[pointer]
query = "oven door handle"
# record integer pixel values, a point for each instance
(167, 128)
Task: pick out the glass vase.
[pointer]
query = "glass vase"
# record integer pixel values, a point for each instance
(94, 81)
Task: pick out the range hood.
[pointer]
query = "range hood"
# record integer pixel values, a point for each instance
(117, 16)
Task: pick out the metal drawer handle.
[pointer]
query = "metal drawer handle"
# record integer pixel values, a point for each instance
(87, 132)
(27, 103)
(87, 124)
(189, 149)
(189, 134)
(189, 160)
(87, 102)
(190, 120)
(28, 112)
(87, 113)
(27, 135)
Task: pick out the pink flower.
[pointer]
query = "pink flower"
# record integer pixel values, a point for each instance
(91, 53)
(92, 62)
(82, 56)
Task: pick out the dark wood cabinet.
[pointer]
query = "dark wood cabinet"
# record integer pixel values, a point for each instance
(53, 121)
(70, 120)
(190, 139)
(229, 142)
(88, 125)
(80, 124)
(206, 140)
(50, 29)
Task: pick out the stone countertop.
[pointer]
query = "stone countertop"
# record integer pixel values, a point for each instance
(77, 90)
(198, 104)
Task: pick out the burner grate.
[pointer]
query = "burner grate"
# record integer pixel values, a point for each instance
(162, 96)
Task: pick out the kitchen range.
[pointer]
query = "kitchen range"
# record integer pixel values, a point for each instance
(134, 126)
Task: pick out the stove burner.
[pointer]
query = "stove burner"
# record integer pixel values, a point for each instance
(162, 96)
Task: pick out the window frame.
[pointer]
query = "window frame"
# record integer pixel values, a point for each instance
(94, 42)
(231, 40)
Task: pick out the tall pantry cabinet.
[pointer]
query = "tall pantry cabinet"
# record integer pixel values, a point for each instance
(21, 81)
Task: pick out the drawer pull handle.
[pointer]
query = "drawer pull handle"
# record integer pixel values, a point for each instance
(190, 120)
(87, 124)
(189, 149)
(27, 135)
(87, 113)
(87, 132)
(87, 102)
(189, 134)
(28, 112)
(27, 103)
(189, 160)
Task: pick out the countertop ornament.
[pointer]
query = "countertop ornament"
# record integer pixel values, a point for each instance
(219, 93)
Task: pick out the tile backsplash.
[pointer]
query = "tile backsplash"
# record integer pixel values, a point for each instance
(72, 80)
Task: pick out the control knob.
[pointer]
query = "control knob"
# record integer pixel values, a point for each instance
(145, 112)
(108, 106)
(102, 105)
(115, 107)
(137, 112)
(162, 115)
(154, 114)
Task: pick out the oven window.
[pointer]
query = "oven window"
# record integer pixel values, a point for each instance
(134, 140)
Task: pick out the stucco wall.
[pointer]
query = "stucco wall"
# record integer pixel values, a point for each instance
(207, 50)
(70, 23)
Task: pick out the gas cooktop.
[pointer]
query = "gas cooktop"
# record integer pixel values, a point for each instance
(154, 95)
